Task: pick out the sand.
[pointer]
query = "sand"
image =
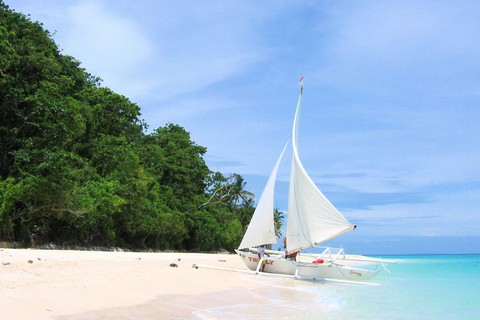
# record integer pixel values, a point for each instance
(68, 284)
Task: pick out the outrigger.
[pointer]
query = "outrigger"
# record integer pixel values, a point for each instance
(331, 265)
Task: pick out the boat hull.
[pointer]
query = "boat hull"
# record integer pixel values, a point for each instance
(300, 269)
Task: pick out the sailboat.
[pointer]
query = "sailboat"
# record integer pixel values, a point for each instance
(311, 220)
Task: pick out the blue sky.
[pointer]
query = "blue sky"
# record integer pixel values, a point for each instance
(391, 109)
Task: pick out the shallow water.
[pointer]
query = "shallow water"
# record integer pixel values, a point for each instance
(419, 287)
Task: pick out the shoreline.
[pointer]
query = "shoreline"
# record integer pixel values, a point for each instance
(59, 284)
(73, 285)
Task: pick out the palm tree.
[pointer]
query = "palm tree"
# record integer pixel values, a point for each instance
(238, 193)
(227, 191)
(245, 213)
(278, 221)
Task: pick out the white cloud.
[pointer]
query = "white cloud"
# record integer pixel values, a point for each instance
(109, 46)
(162, 49)
(381, 45)
(201, 45)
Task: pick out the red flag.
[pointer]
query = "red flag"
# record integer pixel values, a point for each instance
(301, 80)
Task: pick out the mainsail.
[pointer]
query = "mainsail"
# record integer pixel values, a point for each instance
(312, 219)
(261, 229)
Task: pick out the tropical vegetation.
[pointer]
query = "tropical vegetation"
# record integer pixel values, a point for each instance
(77, 166)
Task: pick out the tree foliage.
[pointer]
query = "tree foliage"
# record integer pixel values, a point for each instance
(77, 166)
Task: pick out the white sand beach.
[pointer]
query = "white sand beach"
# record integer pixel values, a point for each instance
(64, 284)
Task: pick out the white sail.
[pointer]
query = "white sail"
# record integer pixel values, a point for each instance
(261, 229)
(312, 219)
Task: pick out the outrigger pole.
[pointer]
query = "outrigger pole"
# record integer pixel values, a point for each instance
(196, 266)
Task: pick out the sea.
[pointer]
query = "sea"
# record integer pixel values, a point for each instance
(416, 287)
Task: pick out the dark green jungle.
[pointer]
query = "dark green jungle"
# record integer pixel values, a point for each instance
(78, 168)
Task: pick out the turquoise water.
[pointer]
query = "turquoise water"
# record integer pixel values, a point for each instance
(419, 287)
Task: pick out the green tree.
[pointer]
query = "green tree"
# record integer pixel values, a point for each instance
(76, 166)
(278, 219)
(238, 193)
(39, 120)
(245, 213)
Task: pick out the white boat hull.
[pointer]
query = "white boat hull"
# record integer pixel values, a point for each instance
(308, 270)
